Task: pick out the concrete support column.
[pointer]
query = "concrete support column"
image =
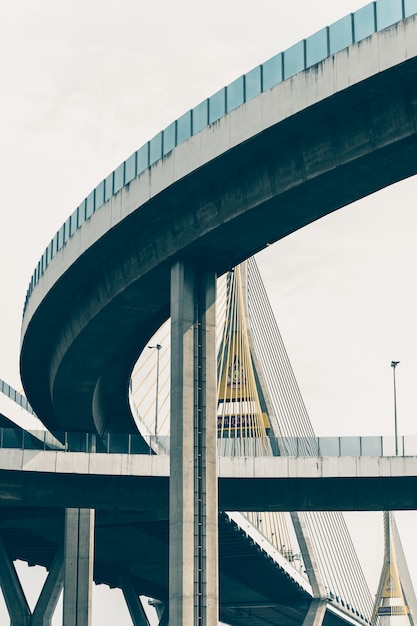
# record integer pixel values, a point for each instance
(313, 571)
(78, 566)
(316, 612)
(49, 596)
(133, 602)
(14, 597)
(193, 552)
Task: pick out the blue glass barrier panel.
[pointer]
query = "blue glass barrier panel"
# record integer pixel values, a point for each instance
(329, 446)
(235, 94)
(60, 238)
(317, 47)
(108, 187)
(67, 230)
(350, 446)
(155, 149)
(388, 12)
(89, 205)
(253, 83)
(170, 137)
(130, 168)
(45, 258)
(272, 72)
(184, 127)
(119, 178)
(217, 105)
(81, 213)
(99, 195)
(200, 116)
(341, 34)
(364, 22)
(371, 446)
(51, 249)
(73, 222)
(294, 60)
(410, 7)
(142, 158)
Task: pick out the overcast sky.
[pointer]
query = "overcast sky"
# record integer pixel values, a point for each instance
(85, 83)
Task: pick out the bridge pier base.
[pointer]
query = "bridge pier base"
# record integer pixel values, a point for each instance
(193, 552)
(78, 566)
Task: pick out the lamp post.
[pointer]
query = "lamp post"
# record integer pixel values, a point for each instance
(394, 365)
(157, 347)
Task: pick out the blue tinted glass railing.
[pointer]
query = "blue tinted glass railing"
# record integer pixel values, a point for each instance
(317, 47)
(272, 72)
(388, 12)
(14, 395)
(217, 106)
(235, 94)
(170, 137)
(410, 8)
(130, 168)
(253, 83)
(119, 178)
(184, 127)
(142, 159)
(307, 53)
(376, 446)
(364, 22)
(294, 59)
(341, 34)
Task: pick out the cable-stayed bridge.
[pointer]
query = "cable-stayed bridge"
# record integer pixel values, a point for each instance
(148, 241)
(271, 564)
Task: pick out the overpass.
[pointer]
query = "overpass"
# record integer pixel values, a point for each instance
(91, 480)
(305, 146)
(324, 123)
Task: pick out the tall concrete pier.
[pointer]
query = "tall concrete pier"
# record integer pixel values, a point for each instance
(193, 475)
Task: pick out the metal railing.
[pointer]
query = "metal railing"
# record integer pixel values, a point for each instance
(369, 446)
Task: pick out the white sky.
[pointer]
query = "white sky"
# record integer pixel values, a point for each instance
(85, 83)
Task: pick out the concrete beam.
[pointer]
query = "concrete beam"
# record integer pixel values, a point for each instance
(49, 596)
(13, 594)
(105, 481)
(79, 555)
(193, 549)
(133, 602)
(309, 557)
(316, 612)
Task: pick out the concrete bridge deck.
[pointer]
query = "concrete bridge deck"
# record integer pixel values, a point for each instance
(141, 482)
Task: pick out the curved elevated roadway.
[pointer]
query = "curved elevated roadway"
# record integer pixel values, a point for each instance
(317, 141)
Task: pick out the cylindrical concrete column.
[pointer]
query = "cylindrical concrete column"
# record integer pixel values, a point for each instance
(193, 554)
(78, 566)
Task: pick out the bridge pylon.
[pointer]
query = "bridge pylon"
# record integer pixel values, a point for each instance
(395, 598)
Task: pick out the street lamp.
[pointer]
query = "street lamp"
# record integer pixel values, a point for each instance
(157, 347)
(394, 365)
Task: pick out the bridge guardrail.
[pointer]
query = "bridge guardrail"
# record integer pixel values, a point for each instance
(377, 445)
